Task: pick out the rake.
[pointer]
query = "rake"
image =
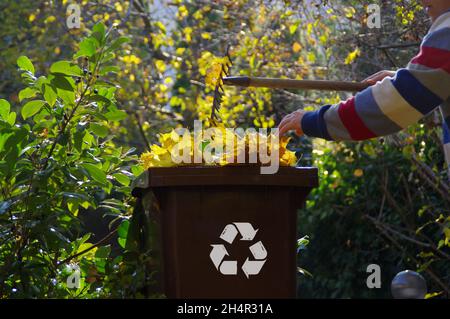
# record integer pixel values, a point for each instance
(274, 83)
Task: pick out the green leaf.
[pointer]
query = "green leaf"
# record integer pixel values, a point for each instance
(40, 82)
(4, 138)
(122, 242)
(116, 115)
(79, 196)
(12, 118)
(88, 48)
(27, 93)
(100, 28)
(65, 87)
(5, 107)
(117, 43)
(122, 179)
(103, 252)
(31, 108)
(99, 32)
(66, 67)
(58, 234)
(25, 64)
(78, 140)
(107, 69)
(50, 94)
(87, 140)
(96, 173)
(11, 159)
(122, 230)
(137, 170)
(100, 98)
(68, 97)
(16, 140)
(62, 82)
(99, 129)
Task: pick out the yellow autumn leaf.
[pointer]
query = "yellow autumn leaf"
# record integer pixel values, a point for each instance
(118, 6)
(206, 35)
(352, 56)
(296, 47)
(213, 74)
(182, 11)
(50, 19)
(180, 51)
(160, 66)
(447, 233)
(358, 172)
(349, 12)
(187, 34)
(131, 59)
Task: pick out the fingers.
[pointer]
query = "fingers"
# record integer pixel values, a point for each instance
(373, 79)
(287, 124)
(284, 120)
(291, 122)
(285, 127)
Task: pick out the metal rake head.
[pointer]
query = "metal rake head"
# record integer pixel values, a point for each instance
(219, 91)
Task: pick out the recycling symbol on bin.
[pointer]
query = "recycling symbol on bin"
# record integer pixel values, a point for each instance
(251, 266)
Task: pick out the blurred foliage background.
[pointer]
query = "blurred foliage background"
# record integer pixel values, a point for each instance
(136, 68)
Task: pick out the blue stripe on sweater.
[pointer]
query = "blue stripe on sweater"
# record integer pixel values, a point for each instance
(313, 123)
(415, 93)
(439, 39)
(372, 116)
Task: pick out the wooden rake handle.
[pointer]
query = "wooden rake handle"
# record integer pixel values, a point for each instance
(320, 85)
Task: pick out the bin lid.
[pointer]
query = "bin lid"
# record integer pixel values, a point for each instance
(225, 175)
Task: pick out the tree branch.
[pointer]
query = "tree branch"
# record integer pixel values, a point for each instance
(100, 242)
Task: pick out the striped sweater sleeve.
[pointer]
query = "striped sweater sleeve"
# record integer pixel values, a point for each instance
(395, 102)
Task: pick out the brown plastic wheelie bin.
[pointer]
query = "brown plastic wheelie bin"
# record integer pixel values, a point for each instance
(227, 232)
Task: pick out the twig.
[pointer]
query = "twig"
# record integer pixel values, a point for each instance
(399, 234)
(396, 46)
(141, 130)
(428, 270)
(100, 242)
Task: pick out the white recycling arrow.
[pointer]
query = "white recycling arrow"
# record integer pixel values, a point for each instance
(246, 230)
(252, 267)
(217, 254)
(229, 233)
(258, 250)
(229, 267)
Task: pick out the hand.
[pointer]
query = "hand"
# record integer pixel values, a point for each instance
(374, 78)
(292, 122)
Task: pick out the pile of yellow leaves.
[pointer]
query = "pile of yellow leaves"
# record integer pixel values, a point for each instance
(227, 152)
(225, 148)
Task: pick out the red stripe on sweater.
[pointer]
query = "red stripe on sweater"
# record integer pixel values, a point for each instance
(352, 122)
(433, 58)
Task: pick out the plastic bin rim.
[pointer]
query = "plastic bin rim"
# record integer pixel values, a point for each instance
(304, 177)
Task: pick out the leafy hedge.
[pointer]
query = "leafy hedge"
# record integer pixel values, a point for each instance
(57, 158)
